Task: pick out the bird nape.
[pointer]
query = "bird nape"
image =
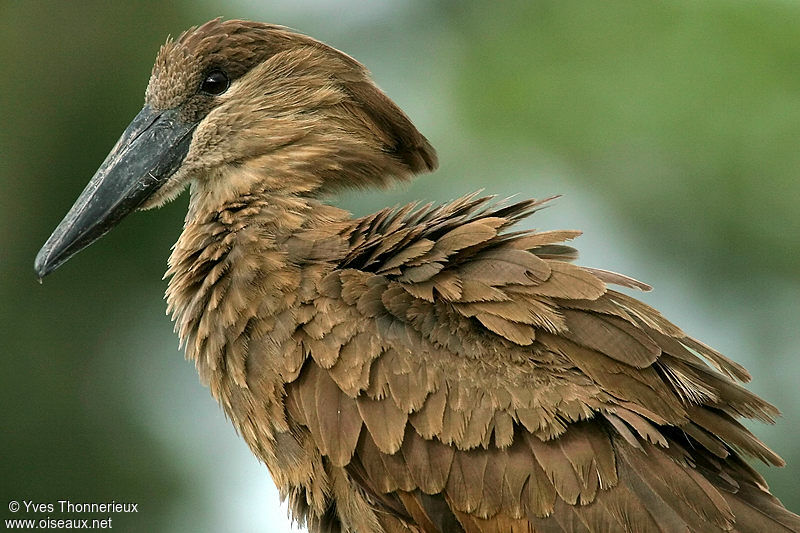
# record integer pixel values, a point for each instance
(419, 369)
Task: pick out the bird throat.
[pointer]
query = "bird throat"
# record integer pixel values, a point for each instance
(240, 275)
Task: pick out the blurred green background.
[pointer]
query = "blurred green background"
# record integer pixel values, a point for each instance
(672, 128)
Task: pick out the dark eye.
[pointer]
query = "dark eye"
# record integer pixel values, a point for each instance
(215, 82)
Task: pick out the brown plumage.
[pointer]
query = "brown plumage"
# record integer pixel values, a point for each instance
(422, 369)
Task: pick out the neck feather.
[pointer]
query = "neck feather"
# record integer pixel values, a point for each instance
(246, 258)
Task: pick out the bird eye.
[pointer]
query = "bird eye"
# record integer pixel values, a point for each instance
(215, 82)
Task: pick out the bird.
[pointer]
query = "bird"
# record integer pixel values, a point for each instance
(426, 368)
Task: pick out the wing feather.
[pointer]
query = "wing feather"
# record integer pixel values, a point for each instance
(474, 380)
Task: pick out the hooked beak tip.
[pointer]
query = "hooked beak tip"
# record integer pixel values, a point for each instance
(42, 265)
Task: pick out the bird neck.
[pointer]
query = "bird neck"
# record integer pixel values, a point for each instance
(243, 263)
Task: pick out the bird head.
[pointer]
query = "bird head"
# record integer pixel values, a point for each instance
(237, 108)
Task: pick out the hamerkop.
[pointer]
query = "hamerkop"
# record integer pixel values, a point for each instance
(423, 369)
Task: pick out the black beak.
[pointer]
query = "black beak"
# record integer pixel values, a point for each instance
(150, 150)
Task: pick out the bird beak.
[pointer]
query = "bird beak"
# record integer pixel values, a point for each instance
(150, 150)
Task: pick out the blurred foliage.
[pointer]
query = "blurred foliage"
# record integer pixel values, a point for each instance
(681, 110)
(673, 123)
